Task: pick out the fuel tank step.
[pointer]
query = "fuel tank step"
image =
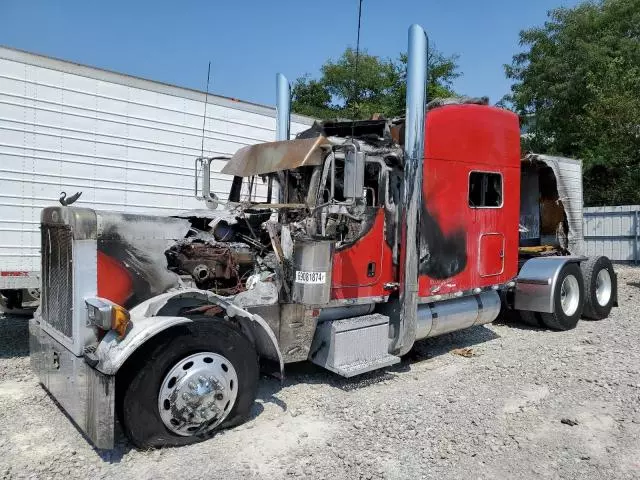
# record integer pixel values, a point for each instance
(353, 346)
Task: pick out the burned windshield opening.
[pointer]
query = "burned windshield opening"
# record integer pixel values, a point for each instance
(253, 189)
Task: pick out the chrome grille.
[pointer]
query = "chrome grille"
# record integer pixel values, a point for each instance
(57, 281)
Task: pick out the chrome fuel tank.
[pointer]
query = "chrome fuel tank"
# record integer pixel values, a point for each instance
(456, 314)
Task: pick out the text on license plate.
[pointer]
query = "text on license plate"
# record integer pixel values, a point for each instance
(310, 277)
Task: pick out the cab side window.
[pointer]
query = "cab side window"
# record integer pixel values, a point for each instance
(485, 190)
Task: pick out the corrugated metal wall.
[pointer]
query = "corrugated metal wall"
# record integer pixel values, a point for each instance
(614, 232)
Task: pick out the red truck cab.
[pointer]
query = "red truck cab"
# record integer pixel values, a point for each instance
(470, 211)
(471, 191)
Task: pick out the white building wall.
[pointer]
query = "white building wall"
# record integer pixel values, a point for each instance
(128, 144)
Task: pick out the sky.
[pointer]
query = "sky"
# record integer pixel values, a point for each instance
(248, 42)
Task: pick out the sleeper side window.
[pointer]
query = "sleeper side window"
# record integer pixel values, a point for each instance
(485, 190)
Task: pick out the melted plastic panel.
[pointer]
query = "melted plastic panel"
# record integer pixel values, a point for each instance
(275, 156)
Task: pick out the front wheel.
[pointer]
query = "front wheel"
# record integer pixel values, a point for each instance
(568, 299)
(194, 380)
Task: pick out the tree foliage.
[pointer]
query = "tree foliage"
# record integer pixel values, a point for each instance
(378, 88)
(579, 80)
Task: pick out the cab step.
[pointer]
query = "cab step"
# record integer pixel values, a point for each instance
(353, 346)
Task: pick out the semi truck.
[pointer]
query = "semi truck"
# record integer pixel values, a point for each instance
(125, 142)
(342, 247)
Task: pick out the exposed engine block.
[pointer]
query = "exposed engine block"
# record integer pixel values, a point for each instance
(215, 266)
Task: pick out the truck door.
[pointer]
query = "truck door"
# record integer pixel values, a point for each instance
(486, 198)
(363, 265)
(360, 263)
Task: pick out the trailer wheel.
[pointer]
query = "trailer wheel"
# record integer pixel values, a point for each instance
(568, 298)
(195, 380)
(601, 287)
(22, 302)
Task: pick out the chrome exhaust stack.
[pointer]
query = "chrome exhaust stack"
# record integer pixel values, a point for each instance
(283, 126)
(412, 194)
(283, 107)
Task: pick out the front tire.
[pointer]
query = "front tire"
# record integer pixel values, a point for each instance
(568, 299)
(601, 287)
(187, 384)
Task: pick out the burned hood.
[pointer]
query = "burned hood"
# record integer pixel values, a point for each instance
(132, 265)
(273, 157)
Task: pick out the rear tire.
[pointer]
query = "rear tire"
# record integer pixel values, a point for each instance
(601, 287)
(143, 380)
(568, 299)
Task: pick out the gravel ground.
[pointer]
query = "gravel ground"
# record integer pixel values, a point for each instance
(527, 404)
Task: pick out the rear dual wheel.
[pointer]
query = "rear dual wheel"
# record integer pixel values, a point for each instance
(588, 290)
(601, 287)
(568, 299)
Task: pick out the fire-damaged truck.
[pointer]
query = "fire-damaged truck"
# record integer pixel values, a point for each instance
(342, 247)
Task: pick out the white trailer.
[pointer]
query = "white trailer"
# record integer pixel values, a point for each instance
(126, 143)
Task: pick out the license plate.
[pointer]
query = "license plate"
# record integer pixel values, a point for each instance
(310, 277)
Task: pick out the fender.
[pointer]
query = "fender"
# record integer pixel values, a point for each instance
(537, 280)
(112, 353)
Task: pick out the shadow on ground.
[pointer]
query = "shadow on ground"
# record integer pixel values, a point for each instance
(122, 444)
(311, 374)
(14, 342)
(511, 319)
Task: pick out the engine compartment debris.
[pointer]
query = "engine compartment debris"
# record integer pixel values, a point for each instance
(325, 185)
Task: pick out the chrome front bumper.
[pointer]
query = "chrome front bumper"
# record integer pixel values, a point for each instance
(85, 394)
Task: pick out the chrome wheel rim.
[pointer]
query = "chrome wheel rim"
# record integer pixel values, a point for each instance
(197, 394)
(603, 287)
(570, 295)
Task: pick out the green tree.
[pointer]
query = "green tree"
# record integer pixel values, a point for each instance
(380, 87)
(579, 81)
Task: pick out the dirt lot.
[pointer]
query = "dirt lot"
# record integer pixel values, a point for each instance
(504, 412)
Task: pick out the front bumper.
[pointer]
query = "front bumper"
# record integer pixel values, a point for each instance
(85, 394)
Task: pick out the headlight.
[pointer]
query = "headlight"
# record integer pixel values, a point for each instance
(107, 315)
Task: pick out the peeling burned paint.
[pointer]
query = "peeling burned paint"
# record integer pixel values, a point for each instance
(136, 244)
(444, 255)
(357, 231)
